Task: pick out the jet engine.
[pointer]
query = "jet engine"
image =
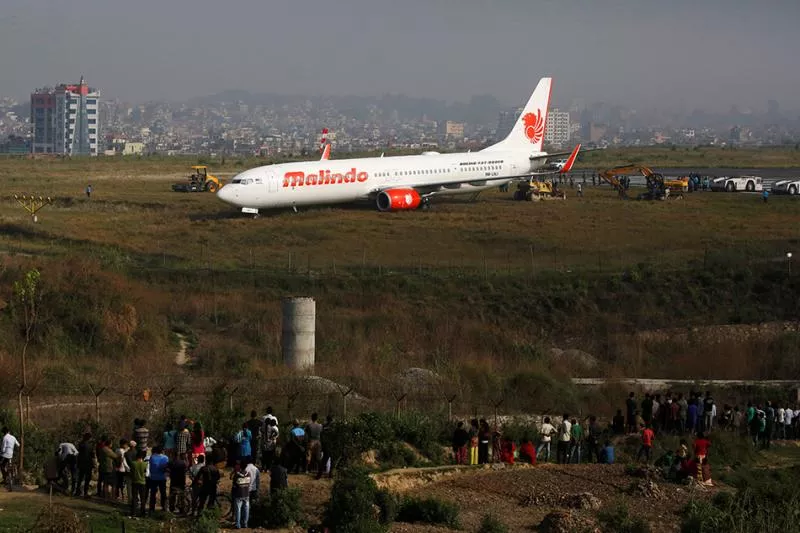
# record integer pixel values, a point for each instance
(398, 200)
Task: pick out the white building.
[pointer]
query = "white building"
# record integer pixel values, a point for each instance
(66, 120)
(557, 130)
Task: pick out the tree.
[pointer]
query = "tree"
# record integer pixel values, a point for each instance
(27, 297)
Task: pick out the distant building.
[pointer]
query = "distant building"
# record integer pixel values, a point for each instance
(557, 130)
(65, 120)
(505, 123)
(454, 130)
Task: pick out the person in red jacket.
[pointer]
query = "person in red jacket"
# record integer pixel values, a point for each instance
(527, 452)
(647, 444)
(507, 448)
(701, 446)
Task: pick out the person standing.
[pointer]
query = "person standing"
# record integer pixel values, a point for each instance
(182, 444)
(546, 436)
(313, 445)
(647, 444)
(460, 441)
(577, 440)
(138, 483)
(121, 470)
(594, 434)
(618, 423)
(106, 477)
(7, 447)
(240, 493)
(158, 478)
(89, 190)
(270, 444)
(683, 411)
(85, 465)
(647, 409)
(169, 441)
(198, 442)
(473, 442)
(208, 481)
(141, 435)
(630, 407)
(243, 439)
(788, 416)
(255, 479)
(484, 439)
(68, 462)
(255, 426)
(326, 463)
(177, 484)
(564, 438)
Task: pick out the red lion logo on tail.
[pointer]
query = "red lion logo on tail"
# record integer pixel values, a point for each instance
(534, 126)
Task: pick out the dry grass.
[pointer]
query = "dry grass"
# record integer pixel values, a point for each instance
(469, 289)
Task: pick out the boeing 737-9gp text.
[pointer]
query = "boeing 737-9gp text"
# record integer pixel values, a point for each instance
(403, 182)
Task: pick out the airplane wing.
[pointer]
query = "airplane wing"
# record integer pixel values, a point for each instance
(427, 189)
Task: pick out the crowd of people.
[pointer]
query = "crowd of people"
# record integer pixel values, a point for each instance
(182, 466)
(694, 415)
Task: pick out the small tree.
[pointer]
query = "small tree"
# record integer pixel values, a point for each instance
(27, 298)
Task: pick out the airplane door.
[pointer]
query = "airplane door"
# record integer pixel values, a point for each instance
(272, 181)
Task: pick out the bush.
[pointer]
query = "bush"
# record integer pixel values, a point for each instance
(394, 454)
(429, 511)
(351, 508)
(208, 522)
(617, 519)
(491, 524)
(58, 520)
(764, 501)
(281, 509)
(389, 506)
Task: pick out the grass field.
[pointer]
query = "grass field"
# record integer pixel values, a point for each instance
(487, 286)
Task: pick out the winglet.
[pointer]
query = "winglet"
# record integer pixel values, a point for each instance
(571, 161)
(326, 153)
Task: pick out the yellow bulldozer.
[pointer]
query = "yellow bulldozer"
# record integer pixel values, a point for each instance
(534, 189)
(199, 181)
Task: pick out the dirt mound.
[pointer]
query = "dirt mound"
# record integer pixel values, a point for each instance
(646, 489)
(565, 522)
(573, 356)
(584, 500)
(413, 380)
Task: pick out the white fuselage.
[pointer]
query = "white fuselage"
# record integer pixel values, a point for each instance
(351, 180)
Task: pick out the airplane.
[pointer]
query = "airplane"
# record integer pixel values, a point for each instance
(403, 182)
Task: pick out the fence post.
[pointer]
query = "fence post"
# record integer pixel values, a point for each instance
(97, 394)
(345, 392)
(496, 405)
(450, 399)
(397, 400)
(533, 255)
(230, 398)
(290, 399)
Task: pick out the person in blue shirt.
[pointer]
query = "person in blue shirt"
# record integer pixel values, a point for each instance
(243, 438)
(296, 448)
(169, 441)
(765, 195)
(607, 454)
(158, 478)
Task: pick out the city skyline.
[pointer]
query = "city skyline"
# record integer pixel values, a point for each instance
(677, 55)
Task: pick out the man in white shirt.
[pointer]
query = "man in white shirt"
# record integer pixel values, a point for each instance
(788, 415)
(781, 428)
(68, 462)
(255, 478)
(546, 433)
(7, 455)
(564, 438)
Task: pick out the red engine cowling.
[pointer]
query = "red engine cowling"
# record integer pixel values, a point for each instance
(398, 200)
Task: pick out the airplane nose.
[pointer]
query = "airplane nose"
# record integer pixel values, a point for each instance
(224, 194)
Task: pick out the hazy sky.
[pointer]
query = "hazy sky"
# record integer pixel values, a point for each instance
(688, 53)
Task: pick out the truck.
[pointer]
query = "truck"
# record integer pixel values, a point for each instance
(737, 183)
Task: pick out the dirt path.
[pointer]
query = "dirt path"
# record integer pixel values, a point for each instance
(180, 356)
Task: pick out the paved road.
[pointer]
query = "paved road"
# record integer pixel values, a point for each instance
(666, 383)
(770, 175)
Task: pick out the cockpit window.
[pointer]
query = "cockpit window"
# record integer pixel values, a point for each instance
(236, 180)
